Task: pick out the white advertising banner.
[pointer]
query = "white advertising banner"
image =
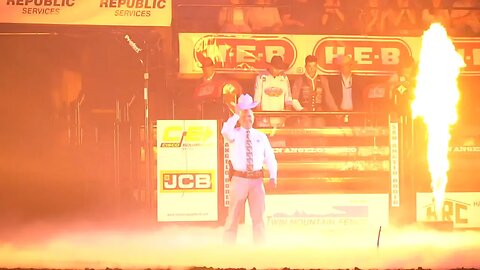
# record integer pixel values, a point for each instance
(462, 208)
(88, 12)
(326, 210)
(226, 176)
(394, 165)
(187, 185)
(248, 53)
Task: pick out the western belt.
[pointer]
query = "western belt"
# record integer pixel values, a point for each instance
(249, 175)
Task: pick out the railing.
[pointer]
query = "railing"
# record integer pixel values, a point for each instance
(341, 158)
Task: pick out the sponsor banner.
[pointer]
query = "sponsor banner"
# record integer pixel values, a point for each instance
(338, 165)
(191, 181)
(464, 149)
(187, 170)
(328, 131)
(339, 151)
(394, 165)
(248, 53)
(226, 175)
(325, 210)
(88, 12)
(462, 208)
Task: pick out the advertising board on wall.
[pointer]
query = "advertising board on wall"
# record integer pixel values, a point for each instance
(326, 210)
(461, 208)
(248, 53)
(88, 12)
(187, 178)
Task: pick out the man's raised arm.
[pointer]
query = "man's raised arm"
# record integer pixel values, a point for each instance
(229, 127)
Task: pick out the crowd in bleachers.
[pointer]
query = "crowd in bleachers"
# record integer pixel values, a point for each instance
(355, 17)
(349, 17)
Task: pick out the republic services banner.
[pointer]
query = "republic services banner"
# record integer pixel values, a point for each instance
(88, 12)
(187, 185)
(248, 53)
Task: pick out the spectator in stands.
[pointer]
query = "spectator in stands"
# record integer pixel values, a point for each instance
(436, 11)
(300, 16)
(311, 93)
(209, 93)
(233, 18)
(264, 18)
(332, 18)
(371, 18)
(402, 84)
(401, 19)
(272, 91)
(347, 88)
(466, 21)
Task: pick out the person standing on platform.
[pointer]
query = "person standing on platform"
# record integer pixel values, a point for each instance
(249, 149)
(311, 93)
(347, 88)
(210, 93)
(272, 92)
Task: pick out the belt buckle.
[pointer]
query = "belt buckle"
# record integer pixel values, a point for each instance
(250, 174)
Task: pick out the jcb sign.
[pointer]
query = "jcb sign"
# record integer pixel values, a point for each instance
(177, 136)
(187, 181)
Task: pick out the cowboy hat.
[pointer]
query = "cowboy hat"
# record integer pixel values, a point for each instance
(277, 62)
(245, 102)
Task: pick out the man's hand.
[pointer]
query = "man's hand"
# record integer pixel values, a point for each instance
(272, 183)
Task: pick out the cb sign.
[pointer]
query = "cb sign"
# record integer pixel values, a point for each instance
(178, 136)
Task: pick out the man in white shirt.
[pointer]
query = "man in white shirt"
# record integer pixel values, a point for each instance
(249, 149)
(272, 91)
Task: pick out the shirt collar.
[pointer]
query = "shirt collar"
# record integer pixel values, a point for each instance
(210, 78)
(311, 78)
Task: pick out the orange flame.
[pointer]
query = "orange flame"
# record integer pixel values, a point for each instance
(436, 98)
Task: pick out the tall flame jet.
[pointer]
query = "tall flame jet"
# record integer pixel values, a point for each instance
(436, 98)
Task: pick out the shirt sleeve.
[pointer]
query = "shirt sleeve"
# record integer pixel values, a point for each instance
(228, 129)
(329, 100)
(288, 95)
(222, 17)
(258, 88)
(297, 85)
(270, 159)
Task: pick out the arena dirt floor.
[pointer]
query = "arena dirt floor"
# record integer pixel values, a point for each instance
(82, 246)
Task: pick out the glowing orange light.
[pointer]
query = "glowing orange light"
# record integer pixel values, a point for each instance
(436, 98)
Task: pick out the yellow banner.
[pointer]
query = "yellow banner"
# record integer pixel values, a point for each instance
(187, 181)
(88, 12)
(248, 53)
